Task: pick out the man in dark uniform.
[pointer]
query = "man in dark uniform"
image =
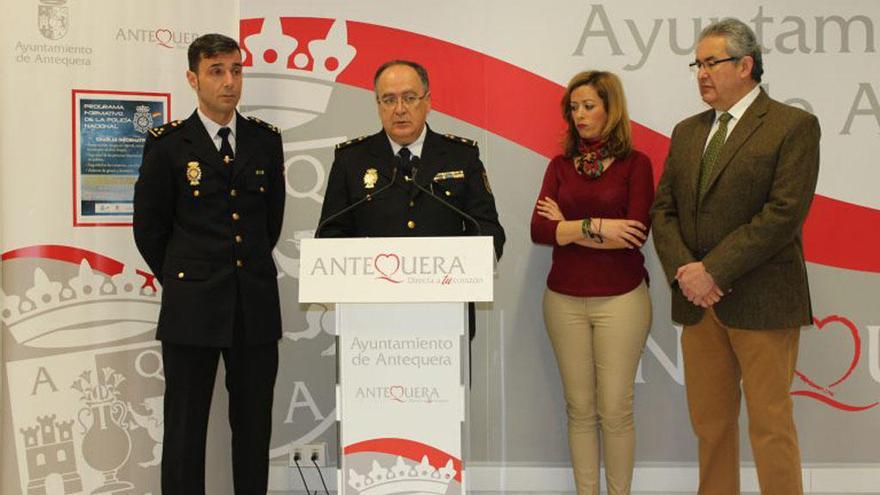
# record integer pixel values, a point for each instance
(407, 150)
(209, 203)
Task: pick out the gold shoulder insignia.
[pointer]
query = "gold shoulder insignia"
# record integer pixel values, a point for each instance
(459, 139)
(351, 142)
(264, 125)
(166, 129)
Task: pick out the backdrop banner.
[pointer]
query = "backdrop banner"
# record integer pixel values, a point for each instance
(497, 74)
(81, 372)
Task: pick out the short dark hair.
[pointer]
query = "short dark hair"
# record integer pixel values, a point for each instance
(421, 71)
(741, 42)
(207, 46)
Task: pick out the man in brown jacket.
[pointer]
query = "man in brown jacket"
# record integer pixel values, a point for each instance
(727, 220)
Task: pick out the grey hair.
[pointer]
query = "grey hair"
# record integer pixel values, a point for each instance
(741, 42)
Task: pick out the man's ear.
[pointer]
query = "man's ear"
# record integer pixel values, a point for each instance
(193, 79)
(748, 63)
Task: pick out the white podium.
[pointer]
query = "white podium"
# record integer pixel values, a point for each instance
(401, 325)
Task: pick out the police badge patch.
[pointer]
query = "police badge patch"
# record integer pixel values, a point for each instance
(193, 173)
(371, 176)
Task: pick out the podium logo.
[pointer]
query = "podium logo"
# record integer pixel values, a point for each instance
(400, 393)
(396, 269)
(387, 265)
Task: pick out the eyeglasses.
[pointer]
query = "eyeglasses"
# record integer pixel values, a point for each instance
(710, 64)
(409, 100)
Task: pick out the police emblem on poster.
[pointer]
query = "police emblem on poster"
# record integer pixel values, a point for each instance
(142, 119)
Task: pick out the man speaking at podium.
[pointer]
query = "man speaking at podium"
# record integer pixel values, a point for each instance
(407, 180)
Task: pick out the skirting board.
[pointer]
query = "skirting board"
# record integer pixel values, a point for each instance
(481, 477)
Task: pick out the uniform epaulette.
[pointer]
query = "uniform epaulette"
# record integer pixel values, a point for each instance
(166, 129)
(351, 142)
(264, 125)
(459, 139)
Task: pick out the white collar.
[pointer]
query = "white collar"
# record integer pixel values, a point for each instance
(212, 127)
(415, 147)
(740, 107)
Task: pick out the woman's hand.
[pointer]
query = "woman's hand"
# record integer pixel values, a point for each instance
(548, 209)
(630, 233)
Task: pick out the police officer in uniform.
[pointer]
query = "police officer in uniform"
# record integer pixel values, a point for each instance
(209, 203)
(407, 150)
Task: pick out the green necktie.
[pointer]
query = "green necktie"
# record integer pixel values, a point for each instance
(710, 156)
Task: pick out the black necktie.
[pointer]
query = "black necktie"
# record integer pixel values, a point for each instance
(225, 147)
(405, 159)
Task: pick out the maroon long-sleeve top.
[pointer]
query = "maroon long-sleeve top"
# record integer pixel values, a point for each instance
(624, 190)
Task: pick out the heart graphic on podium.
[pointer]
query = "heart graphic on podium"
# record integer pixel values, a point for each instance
(397, 393)
(387, 265)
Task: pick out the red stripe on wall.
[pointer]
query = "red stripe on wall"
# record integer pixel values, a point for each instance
(523, 107)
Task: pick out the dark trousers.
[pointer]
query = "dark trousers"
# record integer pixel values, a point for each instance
(189, 383)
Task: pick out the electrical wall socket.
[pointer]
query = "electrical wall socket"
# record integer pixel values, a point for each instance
(306, 451)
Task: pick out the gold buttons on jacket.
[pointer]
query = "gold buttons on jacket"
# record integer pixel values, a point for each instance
(233, 193)
(235, 216)
(180, 275)
(411, 224)
(196, 193)
(239, 263)
(238, 239)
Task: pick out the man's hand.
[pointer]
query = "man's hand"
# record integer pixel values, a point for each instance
(697, 285)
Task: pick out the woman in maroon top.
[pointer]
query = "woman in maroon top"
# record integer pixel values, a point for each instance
(593, 209)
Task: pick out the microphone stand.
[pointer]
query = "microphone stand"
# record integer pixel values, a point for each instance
(354, 205)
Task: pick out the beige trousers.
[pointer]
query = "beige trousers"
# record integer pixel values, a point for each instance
(598, 342)
(721, 363)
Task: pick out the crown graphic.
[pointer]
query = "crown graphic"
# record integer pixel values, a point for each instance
(403, 478)
(48, 432)
(91, 308)
(306, 87)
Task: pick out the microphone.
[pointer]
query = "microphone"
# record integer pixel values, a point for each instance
(357, 203)
(414, 162)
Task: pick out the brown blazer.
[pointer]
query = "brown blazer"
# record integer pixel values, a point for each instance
(747, 228)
